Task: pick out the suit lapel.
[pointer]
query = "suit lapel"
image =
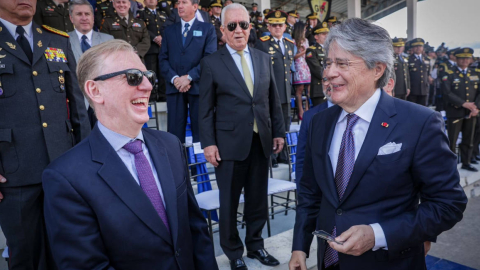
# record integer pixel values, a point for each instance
(331, 122)
(39, 39)
(256, 70)
(178, 34)
(95, 38)
(74, 40)
(194, 27)
(159, 157)
(6, 39)
(375, 138)
(230, 64)
(117, 176)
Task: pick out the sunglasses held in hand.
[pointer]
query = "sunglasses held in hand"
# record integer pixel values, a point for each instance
(134, 76)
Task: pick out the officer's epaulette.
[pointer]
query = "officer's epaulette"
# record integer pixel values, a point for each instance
(265, 38)
(448, 71)
(56, 31)
(477, 69)
(312, 47)
(291, 41)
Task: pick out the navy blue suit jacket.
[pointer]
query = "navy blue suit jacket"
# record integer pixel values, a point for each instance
(302, 138)
(176, 59)
(383, 189)
(98, 217)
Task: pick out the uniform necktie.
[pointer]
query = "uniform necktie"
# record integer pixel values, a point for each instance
(184, 34)
(281, 47)
(248, 81)
(85, 46)
(23, 42)
(346, 161)
(146, 179)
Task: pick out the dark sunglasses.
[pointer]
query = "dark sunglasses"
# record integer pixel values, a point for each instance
(233, 25)
(134, 76)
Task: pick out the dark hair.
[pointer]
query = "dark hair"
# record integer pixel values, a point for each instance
(299, 33)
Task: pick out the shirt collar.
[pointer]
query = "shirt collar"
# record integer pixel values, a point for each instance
(116, 140)
(12, 28)
(152, 10)
(418, 56)
(451, 62)
(232, 51)
(329, 103)
(89, 35)
(190, 23)
(367, 109)
(276, 39)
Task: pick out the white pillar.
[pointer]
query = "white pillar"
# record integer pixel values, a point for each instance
(263, 4)
(411, 19)
(354, 9)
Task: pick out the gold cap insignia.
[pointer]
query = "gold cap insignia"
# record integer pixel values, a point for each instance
(324, 25)
(278, 14)
(465, 50)
(219, 1)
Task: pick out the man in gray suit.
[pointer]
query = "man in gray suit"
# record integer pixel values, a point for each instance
(83, 37)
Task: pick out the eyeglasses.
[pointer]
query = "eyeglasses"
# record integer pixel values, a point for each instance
(277, 25)
(342, 64)
(134, 76)
(233, 25)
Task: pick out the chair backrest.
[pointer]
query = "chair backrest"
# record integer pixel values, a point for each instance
(291, 145)
(199, 172)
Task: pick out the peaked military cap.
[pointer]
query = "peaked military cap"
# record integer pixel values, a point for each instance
(321, 28)
(464, 53)
(276, 17)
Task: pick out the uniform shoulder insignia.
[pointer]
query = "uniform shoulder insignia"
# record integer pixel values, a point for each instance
(449, 71)
(289, 40)
(56, 31)
(312, 47)
(477, 69)
(265, 38)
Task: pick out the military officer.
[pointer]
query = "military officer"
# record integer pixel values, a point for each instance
(460, 88)
(312, 21)
(332, 21)
(255, 13)
(291, 20)
(54, 13)
(43, 115)
(262, 25)
(154, 19)
(216, 6)
(125, 26)
(402, 83)
(315, 55)
(165, 7)
(281, 53)
(104, 10)
(419, 70)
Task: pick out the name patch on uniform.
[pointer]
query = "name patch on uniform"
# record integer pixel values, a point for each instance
(456, 80)
(197, 33)
(136, 25)
(55, 55)
(474, 78)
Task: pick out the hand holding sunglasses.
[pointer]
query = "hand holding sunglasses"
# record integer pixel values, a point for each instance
(134, 76)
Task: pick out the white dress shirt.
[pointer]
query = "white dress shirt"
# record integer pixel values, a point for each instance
(238, 61)
(419, 57)
(451, 62)
(365, 114)
(88, 35)
(12, 29)
(117, 141)
(281, 44)
(190, 23)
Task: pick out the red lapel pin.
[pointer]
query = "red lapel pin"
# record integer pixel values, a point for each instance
(384, 124)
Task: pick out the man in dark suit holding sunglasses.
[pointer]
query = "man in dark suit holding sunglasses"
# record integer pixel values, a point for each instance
(123, 191)
(240, 123)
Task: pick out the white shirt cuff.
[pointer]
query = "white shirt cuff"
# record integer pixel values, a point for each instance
(380, 241)
(173, 79)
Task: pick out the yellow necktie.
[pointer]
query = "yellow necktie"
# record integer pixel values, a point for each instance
(248, 81)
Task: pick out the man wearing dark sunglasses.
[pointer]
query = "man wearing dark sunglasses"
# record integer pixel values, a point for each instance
(124, 191)
(280, 50)
(184, 44)
(240, 123)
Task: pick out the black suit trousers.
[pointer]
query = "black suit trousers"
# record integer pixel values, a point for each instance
(421, 100)
(467, 127)
(178, 106)
(251, 175)
(21, 219)
(151, 62)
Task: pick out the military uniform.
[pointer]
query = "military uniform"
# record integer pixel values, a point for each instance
(419, 71)
(104, 10)
(459, 88)
(154, 22)
(165, 7)
(402, 77)
(289, 29)
(309, 30)
(43, 115)
(217, 23)
(254, 15)
(443, 67)
(281, 54)
(315, 57)
(48, 13)
(134, 32)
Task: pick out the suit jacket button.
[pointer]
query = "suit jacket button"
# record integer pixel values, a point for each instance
(339, 212)
(177, 253)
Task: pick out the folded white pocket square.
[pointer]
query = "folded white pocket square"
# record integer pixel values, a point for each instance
(389, 148)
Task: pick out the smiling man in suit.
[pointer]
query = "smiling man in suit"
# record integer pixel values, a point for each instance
(122, 199)
(240, 123)
(184, 44)
(378, 173)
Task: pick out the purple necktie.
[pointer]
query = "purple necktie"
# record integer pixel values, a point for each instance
(146, 179)
(346, 161)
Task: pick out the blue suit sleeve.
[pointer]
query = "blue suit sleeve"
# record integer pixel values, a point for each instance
(163, 59)
(72, 228)
(210, 47)
(443, 200)
(301, 144)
